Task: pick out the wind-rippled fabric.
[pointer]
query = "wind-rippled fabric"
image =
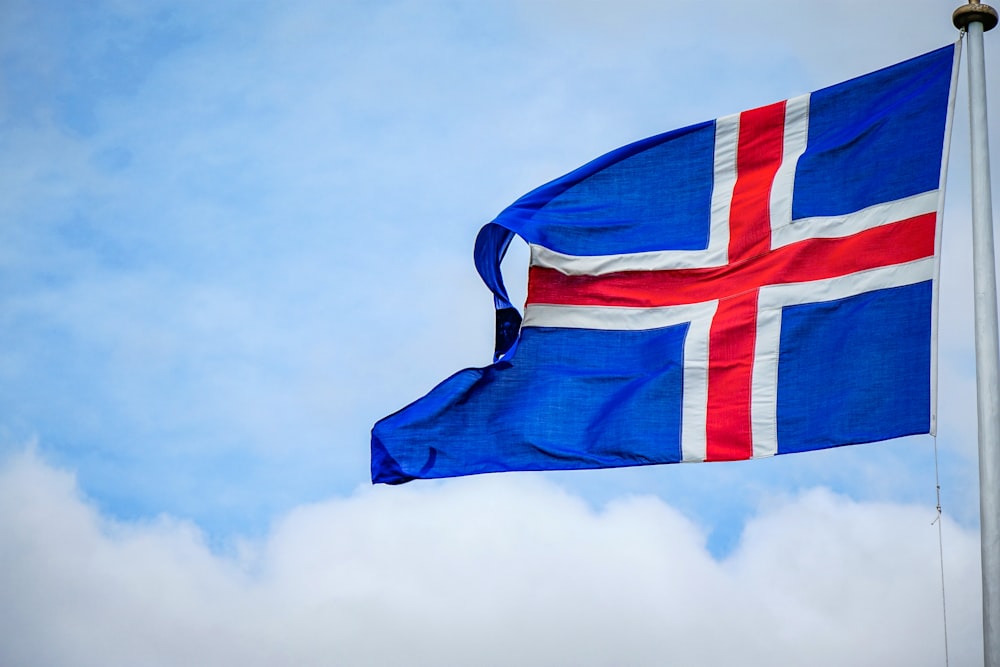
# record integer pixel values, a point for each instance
(755, 285)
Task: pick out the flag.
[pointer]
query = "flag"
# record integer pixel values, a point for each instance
(760, 284)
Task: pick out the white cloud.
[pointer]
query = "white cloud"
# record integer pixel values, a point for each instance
(495, 570)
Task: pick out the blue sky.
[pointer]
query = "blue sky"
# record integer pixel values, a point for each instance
(234, 235)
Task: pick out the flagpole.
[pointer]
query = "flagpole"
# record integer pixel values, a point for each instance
(976, 19)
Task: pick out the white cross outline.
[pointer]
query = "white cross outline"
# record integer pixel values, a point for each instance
(771, 298)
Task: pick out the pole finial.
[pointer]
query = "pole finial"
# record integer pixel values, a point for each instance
(972, 12)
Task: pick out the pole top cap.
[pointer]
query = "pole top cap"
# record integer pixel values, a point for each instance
(973, 12)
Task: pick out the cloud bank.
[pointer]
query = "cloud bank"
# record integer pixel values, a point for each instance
(495, 570)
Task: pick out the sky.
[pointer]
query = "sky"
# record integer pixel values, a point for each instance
(233, 235)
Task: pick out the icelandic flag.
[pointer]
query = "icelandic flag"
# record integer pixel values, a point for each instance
(760, 284)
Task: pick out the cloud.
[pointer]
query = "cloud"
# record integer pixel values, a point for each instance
(494, 570)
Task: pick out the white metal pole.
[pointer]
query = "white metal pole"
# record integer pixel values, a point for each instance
(976, 19)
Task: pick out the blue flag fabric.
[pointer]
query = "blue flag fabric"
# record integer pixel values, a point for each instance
(755, 285)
